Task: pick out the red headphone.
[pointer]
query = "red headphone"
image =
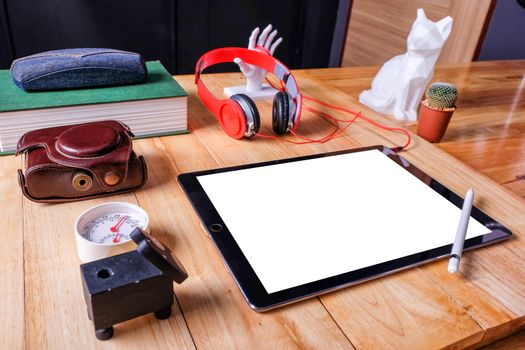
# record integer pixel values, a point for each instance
(238, 115)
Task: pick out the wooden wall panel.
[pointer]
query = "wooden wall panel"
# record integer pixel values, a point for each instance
(378, 29)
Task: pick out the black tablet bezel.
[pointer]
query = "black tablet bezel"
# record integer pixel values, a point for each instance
(246, 278)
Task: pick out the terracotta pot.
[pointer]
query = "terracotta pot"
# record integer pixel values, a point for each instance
(433, 122)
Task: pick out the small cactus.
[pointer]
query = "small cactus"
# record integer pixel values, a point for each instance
(442, 96)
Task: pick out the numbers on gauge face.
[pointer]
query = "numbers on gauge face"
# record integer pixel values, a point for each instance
(111, 228)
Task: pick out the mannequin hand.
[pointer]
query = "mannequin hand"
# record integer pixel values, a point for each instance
(255, 75)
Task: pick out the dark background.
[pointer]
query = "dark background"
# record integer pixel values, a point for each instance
(174, 32)
(177, 32)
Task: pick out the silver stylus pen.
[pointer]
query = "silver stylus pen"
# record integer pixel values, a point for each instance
(457, 247)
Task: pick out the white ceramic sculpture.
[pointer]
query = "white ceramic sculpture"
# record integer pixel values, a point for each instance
(399, 85)
(254, 87)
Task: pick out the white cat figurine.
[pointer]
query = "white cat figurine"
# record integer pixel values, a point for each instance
(399, 85)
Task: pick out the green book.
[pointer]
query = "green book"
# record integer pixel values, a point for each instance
(160, 85)
(155, 108)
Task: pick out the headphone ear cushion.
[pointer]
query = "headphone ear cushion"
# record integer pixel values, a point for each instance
(249, 108)
(281, 112)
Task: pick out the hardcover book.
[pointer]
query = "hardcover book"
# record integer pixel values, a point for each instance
(155, 108)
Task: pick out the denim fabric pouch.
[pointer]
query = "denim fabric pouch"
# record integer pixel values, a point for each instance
(78, 68)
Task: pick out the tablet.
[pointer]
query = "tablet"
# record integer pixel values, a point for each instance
(296, 228)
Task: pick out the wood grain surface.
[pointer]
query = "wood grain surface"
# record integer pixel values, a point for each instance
(486, 131)
(12, 253)
(43, 307)
(378, 29)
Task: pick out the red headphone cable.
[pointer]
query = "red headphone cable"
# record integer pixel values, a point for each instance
(306, 140)
(368, 120)
(338, 130)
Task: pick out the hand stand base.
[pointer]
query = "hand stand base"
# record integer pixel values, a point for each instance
(267, 92)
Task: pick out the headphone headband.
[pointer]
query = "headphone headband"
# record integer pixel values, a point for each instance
(228, 54)
(254, 57)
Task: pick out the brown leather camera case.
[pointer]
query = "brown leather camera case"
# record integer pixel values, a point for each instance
(77, 162)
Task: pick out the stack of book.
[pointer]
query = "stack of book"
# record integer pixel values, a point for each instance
(155, 108)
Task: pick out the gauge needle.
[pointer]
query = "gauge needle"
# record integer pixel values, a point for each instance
(115, 229)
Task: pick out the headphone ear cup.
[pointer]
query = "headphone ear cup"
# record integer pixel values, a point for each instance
(281, 112)
(253, 120)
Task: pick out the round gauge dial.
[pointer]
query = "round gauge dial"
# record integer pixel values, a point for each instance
(104, 226)
(112, 228)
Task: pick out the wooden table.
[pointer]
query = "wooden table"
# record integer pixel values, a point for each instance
(41, 301)
(487, 129)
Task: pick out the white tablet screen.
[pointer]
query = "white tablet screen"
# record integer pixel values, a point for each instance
(303, 221)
